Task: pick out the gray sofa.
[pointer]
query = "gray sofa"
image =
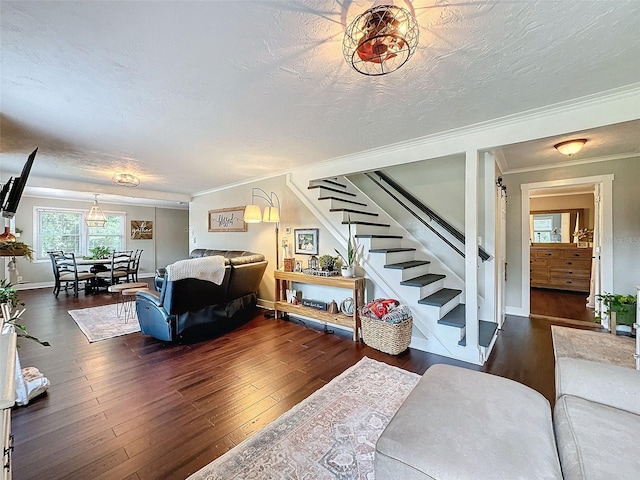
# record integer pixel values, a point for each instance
(464, 424)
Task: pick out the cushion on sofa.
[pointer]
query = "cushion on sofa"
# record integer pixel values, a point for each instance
(463, 424)
(595, 441)
(604, 383)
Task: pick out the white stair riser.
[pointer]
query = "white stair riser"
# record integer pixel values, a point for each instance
(398, 257)
(413, 272)
(452, 335)
(385, 242)
(371, 230)
(333, 203)
(325, 192)
(427, 290)
(358, 217)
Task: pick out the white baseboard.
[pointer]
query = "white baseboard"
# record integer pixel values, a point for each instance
(516, 311)
(419, 344)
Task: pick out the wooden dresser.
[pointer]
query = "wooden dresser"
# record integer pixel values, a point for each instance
(562, 267)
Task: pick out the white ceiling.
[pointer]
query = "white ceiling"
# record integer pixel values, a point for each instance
(194, 95)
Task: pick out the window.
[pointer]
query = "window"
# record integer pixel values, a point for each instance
(64, 229)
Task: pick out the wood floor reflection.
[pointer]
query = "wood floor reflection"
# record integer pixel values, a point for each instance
(561, 304)
(136, 408)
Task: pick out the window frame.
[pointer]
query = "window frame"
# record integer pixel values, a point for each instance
(84, 234)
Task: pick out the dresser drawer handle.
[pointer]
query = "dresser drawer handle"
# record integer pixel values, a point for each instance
(569, 263)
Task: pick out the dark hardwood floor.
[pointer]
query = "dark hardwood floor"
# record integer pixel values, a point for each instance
(136, 408)
(561, 304)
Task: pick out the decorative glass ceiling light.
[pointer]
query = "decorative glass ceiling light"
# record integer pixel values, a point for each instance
(380, 40)
(570, 146)
(95, 217)
(126, 180)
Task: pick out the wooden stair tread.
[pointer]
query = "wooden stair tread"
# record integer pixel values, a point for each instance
(331, 189)
(455, 318)
(423, 280)
(334, 182)
(441, 297)
(486, 332)
(391, 250)
(408, 264)
(360, 222)
(330, 197)
(350, 210)
(379, 236)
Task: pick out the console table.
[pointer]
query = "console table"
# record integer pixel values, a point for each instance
(7, 397)
(355, 284)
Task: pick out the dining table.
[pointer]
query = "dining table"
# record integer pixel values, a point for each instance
(97, 265)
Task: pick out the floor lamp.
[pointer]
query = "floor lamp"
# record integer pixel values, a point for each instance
(253, 213)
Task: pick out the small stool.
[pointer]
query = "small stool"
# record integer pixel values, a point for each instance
(118, 288)
(128, 301)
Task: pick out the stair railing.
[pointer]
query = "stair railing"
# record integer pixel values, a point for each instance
(419, 205)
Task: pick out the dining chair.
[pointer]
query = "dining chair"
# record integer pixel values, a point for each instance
(133, 268)
(65, 271)
(119, 268)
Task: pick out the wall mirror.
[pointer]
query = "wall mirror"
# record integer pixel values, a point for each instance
(555, 226)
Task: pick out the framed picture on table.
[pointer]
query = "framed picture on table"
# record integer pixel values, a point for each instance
(306, 241)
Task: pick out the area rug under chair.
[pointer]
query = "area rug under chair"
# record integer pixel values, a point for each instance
(329, 435)
(100, 323)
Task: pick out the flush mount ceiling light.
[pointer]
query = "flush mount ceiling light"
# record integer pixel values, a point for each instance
(126, 180)
(570, 146)
(380, 40)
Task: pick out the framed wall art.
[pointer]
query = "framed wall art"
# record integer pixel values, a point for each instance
(306, 241)
(141, 230)
(227, 220)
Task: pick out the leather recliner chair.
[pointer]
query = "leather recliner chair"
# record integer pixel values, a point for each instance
(183, 304)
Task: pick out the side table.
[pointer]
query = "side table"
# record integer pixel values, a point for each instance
(355, 284)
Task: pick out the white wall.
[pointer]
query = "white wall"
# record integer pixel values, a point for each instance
(169, 243)
(259, 237)
(626, 221)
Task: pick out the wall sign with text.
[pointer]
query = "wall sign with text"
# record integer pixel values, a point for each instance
(227, 220)
(141, 229)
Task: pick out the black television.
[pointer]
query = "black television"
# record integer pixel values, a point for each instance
(12, 190)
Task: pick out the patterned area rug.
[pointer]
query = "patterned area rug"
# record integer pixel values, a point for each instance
(100, 323)
(329, 435)
(596, 346)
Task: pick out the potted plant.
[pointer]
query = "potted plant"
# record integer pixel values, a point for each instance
(98, 253)
(327, 263)
(9, 295)
(9, 313)
(349, 265)
(16, 249)
(623, 305)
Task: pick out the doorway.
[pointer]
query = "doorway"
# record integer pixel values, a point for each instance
(566, 289)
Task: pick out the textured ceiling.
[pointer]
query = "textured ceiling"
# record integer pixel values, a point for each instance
(193, 95)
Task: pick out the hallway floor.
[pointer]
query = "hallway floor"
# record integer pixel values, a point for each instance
(561, 304)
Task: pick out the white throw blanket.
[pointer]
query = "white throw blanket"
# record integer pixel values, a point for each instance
(204, 268)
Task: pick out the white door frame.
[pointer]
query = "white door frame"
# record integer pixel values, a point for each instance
(501, 254)
(605, 183)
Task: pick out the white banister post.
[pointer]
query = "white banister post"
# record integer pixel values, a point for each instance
(471, 249)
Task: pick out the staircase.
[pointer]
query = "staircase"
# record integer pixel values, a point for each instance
(402, 267)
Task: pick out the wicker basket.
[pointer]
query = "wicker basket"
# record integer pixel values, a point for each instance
(391, 338)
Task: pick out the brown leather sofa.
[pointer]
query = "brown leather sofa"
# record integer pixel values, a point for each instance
(181, 305)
